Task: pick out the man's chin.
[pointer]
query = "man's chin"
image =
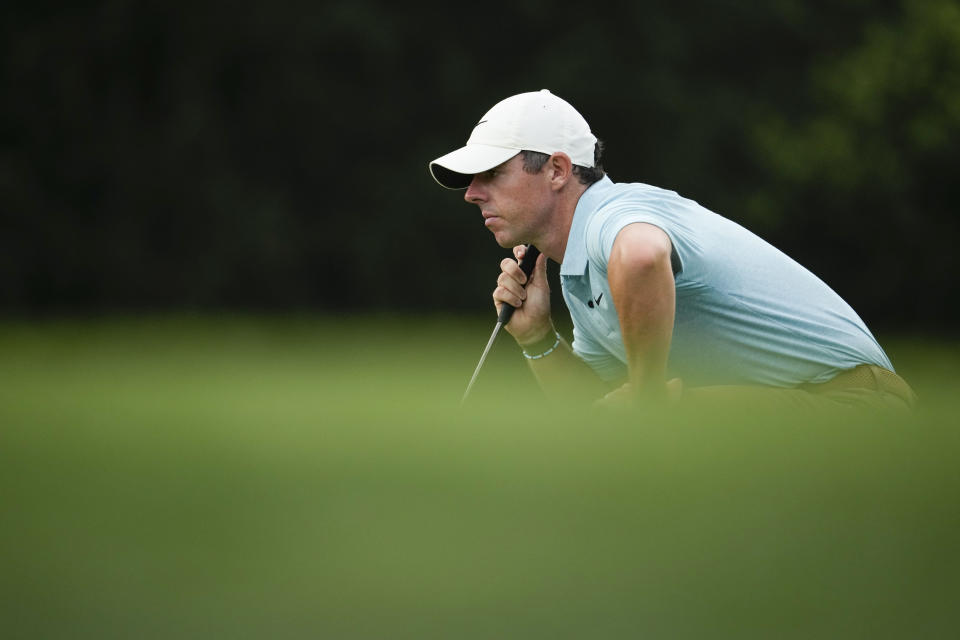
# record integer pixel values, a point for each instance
(505, 241)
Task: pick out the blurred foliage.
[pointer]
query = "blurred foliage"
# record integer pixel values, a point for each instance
(203, 155)
(878, 148)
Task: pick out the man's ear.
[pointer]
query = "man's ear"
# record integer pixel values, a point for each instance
(560, 169)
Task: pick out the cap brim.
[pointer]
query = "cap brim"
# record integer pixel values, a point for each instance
(456, 169)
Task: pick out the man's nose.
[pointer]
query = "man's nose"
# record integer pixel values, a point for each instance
(474, 194)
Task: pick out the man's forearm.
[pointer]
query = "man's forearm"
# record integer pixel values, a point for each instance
(561, 373)
(643, 290)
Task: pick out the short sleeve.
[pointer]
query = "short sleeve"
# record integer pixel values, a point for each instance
(608, 223)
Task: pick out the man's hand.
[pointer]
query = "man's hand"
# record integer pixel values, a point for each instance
(531, 321)
(626, 397)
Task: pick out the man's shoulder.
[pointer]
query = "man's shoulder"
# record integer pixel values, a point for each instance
(623, 203)
(627, 199)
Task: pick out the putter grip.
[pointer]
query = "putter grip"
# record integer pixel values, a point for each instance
(526, 265)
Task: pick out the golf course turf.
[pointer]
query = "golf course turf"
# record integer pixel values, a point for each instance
(266, 477)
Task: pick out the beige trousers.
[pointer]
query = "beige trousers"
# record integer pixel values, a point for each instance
(864, 387)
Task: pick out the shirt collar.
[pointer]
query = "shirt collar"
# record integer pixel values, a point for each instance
(575, 256)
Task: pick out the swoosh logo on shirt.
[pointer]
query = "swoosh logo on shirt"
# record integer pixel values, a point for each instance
(596, 303)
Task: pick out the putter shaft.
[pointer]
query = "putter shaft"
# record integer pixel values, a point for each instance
(486, 350)
(506, 311)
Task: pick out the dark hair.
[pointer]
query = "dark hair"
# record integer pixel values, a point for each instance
(533, 162)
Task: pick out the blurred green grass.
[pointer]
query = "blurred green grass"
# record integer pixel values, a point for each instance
(220, 476)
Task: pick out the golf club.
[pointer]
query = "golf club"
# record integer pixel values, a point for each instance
(506, 311)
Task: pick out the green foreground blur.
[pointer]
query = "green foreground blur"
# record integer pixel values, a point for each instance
(285, 478)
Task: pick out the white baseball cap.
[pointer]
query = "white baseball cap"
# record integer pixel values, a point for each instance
(535, 121)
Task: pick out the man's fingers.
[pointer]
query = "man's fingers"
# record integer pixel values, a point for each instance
(509, 266)
(509, 288)
(540, 268)
(510, 284)
(504, 295)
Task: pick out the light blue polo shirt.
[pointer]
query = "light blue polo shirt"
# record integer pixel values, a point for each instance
(746, 313)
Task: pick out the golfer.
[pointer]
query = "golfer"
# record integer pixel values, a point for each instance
(667, 298)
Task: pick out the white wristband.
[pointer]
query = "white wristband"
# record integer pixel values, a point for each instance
(545, 353)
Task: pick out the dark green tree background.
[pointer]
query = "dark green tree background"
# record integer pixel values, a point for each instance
(209, 155)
